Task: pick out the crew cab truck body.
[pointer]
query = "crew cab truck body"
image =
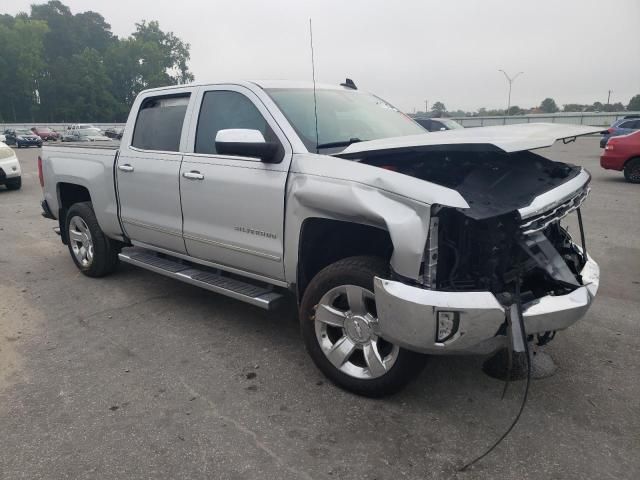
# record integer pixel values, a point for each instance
(396, 242)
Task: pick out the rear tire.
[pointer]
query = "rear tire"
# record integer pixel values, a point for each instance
(13, 183)
(374, 367)
(632, 170)
(92, 251)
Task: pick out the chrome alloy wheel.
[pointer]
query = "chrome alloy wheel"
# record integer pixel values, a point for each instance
(346, 325)
(81, 241)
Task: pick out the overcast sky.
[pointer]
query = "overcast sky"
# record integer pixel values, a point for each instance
(406, 51)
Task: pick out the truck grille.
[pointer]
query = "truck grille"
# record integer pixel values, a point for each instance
(544, 219)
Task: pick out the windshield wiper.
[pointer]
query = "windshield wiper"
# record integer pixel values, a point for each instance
(342, 143)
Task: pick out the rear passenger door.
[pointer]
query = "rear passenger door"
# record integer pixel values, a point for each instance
(233, 207)
(148, 169)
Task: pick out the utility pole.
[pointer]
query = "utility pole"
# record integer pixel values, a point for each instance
(426, 106)
(609, 97)
(510, 80)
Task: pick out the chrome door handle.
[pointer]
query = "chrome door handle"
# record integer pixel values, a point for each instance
(193, 175)
(125, 168)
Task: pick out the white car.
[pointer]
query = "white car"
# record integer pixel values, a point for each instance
(10, 172)
(3, 138)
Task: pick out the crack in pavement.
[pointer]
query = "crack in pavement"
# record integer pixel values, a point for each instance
(247, 431)
(258, 443)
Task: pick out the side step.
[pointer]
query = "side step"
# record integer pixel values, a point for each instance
(212, 280)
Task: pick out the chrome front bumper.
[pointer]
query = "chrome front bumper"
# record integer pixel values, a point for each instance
(408, 315)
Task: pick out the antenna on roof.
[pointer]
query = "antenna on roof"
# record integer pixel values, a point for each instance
(313, 74)
(348, 83)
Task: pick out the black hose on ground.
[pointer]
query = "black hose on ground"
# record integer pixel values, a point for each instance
(518, 303)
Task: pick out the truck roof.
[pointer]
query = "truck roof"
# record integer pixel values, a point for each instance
(264, 84)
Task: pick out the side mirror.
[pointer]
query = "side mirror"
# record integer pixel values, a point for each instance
(244, 142)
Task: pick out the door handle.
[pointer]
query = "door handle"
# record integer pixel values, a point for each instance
(125, 168)
(193, 175)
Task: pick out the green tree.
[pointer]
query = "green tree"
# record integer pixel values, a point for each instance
(613, 107)
(573, 107)
(21, 62)
(548, 105)
(71, 34)
(60, 66)
(634, 103)
(515, 110)
(596, 107)
(438, 109)
(149, 58)
(162, 56)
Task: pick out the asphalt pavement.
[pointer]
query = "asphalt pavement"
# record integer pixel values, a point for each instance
(139, 376)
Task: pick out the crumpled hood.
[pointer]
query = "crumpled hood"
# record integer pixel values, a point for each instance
(507, 138)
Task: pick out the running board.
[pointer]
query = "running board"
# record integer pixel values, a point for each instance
(214, 281)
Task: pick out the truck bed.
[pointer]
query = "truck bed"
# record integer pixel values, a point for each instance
(113, 145)
(89, 165)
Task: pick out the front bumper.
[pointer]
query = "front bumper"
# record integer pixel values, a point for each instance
(408, 315)
(604, 140)
(10, 168)
(611, 161)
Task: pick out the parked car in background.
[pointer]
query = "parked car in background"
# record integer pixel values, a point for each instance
(114, 132)
(3, 138)
(91, 134)
(623, 126)
(21, 137)
(622, 153)
(45, 133)
(438, 124)
(10, 173)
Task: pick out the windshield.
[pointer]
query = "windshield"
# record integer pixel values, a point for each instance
(24, 132)
(344, 116)
(450, 124)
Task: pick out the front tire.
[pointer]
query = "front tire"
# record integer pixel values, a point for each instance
(338, 321)
(13, 183)
(92, 251)
(632, 170)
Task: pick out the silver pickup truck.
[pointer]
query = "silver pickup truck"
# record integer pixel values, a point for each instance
(396, 242)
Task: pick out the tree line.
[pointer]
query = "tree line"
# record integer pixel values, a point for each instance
(548, 105)
(59, 67)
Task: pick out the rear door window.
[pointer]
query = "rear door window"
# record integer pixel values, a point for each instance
(159, 123)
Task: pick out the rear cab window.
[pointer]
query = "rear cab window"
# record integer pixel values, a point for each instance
(159, 123)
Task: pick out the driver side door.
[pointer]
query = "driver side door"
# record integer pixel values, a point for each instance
(232, 206)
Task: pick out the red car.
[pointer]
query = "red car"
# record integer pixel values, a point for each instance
(45, 133)
(623, 153)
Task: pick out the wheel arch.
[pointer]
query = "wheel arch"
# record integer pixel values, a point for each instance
(69, 194)
(317, 208)
(630, 159)
(324, 241)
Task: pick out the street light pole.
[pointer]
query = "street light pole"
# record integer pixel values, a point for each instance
(510, 80)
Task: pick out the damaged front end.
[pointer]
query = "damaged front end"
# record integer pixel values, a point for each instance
(517, 230)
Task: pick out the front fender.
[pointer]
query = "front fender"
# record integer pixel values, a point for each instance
(337, 189)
